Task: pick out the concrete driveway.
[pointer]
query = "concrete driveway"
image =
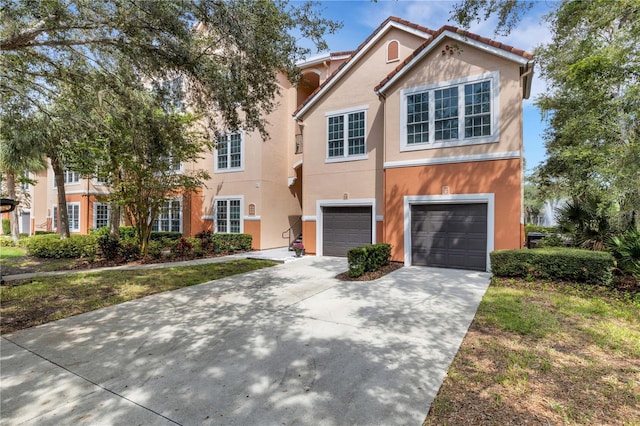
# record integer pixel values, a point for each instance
(287, 345)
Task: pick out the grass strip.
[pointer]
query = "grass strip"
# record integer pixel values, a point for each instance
(37, 301)
(542, 352)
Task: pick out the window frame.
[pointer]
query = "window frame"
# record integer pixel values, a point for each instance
(67, 182)
(345, 113)
(156, 226)
(228, 168)
(97, 204)
(227, 199)
(494, 79)
(397, 58)
(71, 206)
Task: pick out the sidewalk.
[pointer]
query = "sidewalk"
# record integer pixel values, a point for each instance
(278, 255)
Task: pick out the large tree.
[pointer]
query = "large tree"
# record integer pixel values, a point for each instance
(592, 67)
(17, 155)
(228, 52)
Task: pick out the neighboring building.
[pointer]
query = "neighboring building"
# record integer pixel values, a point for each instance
(414, 138)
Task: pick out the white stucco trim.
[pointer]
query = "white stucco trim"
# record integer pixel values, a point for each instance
(379, 218)
(362, 202)
(508, 155)
(354, 60)
(255, 218)
(309, 218)
(481, 198)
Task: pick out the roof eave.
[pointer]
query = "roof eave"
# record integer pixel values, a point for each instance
(458, 37)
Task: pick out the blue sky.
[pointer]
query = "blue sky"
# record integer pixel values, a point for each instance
(360, 18)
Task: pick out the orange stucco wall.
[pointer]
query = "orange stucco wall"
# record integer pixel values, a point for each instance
(252, 227)
(309, 237)
(500, 177)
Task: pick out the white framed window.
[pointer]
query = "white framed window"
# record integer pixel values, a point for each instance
(101, 213)
(228, 215)
(346, 134)
(100, 178)
(452, 113)
(169, 217)
(73, 213)
(229, 152)
(70, 178)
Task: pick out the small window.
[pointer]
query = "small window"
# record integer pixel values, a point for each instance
(73, 214)
(252, 209)
(100, 215)
(393, 51)
(169, 217)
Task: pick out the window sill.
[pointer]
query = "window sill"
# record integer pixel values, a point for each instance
(345, 159)
(453, 143)
(234, 170)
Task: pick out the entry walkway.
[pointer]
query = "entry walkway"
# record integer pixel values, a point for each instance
(283, 345)
(278, 254)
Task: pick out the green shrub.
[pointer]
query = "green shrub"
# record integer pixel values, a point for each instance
(6, 242)
(368, 258)
(626, 249)
(154, 249)
(157, 236)
(551, 240)
(109, 247)
(232, 242)
(575, 265)
(6, 226)
(51, 246)
(183, 247)
(542, 229)
(45, 233)
(128, 233)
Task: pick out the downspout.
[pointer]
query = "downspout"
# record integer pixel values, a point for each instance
(526, 78)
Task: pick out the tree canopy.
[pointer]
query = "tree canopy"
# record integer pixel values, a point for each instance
(592, 67)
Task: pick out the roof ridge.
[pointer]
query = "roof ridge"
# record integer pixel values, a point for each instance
(357, 50)
(456, 30)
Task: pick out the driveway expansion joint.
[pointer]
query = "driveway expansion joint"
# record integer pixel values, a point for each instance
(116, 394)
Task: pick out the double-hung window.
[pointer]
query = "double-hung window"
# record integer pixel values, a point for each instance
(69, 177)
(169, 217)
(228, 215)
(73, 215)
(230, 152)
(459, 112)
(346, 134)
(100, 215)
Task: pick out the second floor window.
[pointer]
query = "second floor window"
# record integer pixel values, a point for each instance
(229, 152)
(69, 178)
(449, 114)
(346, 135)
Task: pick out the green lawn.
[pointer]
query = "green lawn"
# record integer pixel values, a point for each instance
(8, 252)
(25, 303)
(546, 353)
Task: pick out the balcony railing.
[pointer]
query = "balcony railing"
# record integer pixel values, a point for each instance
(298, 144)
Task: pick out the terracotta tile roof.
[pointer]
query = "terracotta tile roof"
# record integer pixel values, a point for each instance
(345, 53)
(461, 32)
(355, 52)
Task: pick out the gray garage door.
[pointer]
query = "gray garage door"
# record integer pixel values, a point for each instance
(344, 228)
(449, 236)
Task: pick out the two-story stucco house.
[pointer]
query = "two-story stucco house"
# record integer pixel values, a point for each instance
(414, 139)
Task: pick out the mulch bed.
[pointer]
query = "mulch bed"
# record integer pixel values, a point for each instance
(369, 276)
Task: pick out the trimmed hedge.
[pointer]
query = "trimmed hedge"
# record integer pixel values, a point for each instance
(51, 246)
(542, 229)
(591, 267)
(232, 242)
(368, 258)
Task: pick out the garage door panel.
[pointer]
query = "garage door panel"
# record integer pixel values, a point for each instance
(449, 235)
(345, 228)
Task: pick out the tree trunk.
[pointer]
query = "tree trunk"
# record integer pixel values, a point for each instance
(114, 220)
(13, 216)
(63, 217)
